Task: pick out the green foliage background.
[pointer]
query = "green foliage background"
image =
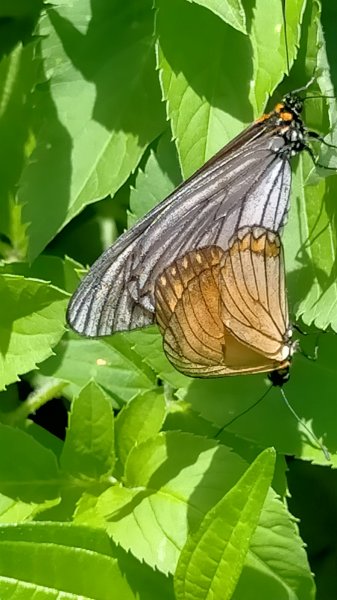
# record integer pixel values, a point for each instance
(104, 107)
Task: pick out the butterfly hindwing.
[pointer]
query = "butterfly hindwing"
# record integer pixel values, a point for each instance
(259, 319)
(213, 312)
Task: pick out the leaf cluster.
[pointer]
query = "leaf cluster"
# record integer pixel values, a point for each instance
(104, 108)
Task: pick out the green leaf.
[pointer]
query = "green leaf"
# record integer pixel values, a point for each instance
(206, 94)
(61, 272)
(89, 446)
(31, 324)
(28, 471)
(19, 8)
(138, 421)
(231, 11)
(329, 13)
(276, 565)
(310, 238)
(148, 344)
(114, 368)
(94, 510)
(270, 422)
(159, 178)
(212, 559)
(18, 75)
(97, 112)
(15, 511)
(310, 244)
(268, 41)
(45, 438)
(48, 560)
(181, 417)
(172, 480)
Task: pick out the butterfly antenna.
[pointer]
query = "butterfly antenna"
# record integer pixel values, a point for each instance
(313, 97)
(305, 87)
(307, 429)
(285, 34)
(244, 412)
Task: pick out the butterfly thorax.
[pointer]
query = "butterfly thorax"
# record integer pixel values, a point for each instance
(286, 121)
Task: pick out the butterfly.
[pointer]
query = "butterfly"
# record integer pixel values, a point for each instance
(225, 312)
(246, 184)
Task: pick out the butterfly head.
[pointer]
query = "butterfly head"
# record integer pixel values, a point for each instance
(293, 104)
(280, 376)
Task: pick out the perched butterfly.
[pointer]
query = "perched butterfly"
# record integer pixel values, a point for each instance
(247, 184)
(225, 312)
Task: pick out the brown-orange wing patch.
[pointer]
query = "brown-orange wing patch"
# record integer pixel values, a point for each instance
(187, 310)
(253, 297)
(189, 314)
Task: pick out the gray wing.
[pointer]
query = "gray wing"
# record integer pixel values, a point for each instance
(247, 186)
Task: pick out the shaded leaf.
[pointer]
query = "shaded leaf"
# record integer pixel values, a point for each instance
(114, 368)
(148, 344)
(231, 11)
(270, 422)
(94, 121)
(28, 471)
(31, 324)
(18, 76)
(206, 106)
(63, 273)
(276, 564)
(159, 178)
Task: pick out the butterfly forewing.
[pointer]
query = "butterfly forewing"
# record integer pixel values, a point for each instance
(245, 184)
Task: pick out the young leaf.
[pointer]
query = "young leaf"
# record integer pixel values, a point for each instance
(31, 324)
(138, 421)
(212, 559)
(148, 517)
(89, 446)
(94, 510)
